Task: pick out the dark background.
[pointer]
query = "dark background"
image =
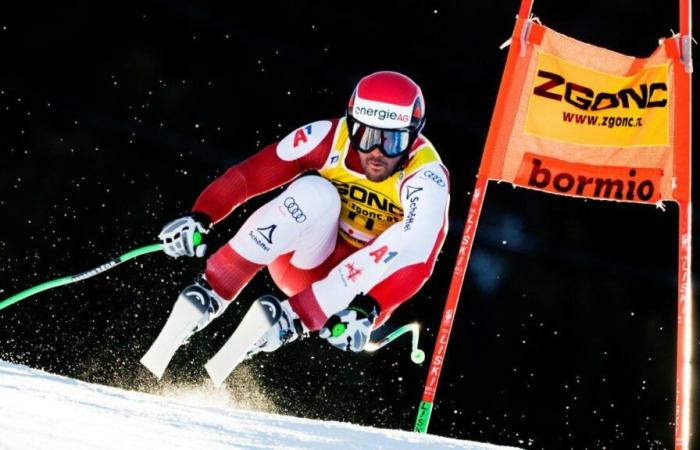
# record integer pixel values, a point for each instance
(114, 116)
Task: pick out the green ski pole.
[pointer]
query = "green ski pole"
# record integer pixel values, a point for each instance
(417, 355)
(81, 276)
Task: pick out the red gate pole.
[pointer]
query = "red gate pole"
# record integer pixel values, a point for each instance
(426, 405)
(684, 340)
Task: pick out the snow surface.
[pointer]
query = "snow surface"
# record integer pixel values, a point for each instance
(39, 410)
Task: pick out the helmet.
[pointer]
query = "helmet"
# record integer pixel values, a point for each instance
(386, 111)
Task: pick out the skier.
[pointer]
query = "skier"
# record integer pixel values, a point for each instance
(351, 238)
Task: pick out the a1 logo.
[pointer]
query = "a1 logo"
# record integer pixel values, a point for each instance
(379, 253)
(303, 140)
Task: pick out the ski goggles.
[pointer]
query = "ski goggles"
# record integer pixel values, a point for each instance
(391, 143)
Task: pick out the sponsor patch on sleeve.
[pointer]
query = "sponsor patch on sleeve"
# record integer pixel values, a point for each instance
(303, 140)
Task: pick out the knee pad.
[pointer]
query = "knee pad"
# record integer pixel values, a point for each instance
(311, 198)
(307, 210)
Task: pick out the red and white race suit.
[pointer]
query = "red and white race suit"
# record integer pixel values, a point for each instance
(332, 235)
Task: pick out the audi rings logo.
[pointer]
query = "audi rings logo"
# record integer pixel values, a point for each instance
(435, 177)
(294, 209)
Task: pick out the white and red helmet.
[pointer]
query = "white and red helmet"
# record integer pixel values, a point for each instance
(386, 111)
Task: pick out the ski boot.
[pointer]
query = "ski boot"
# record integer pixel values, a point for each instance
(211, 304)
(287, 329)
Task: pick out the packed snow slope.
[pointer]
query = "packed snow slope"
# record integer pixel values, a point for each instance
(44, 411)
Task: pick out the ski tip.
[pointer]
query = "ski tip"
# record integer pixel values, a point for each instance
(215, 376)
(263, 313)
(158, 373)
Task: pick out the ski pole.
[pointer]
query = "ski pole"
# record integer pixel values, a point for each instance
(417, 355)
(81, 276)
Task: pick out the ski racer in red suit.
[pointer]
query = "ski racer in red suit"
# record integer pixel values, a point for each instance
(347, 242)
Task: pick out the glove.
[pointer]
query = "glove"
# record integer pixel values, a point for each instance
(350, 328)
(183, 236)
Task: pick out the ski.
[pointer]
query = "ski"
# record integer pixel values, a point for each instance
(263, 314)
(182, 322)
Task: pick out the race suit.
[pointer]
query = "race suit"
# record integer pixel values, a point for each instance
(390, 232)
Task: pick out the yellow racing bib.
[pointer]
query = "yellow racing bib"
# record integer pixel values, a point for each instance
(368, 208)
